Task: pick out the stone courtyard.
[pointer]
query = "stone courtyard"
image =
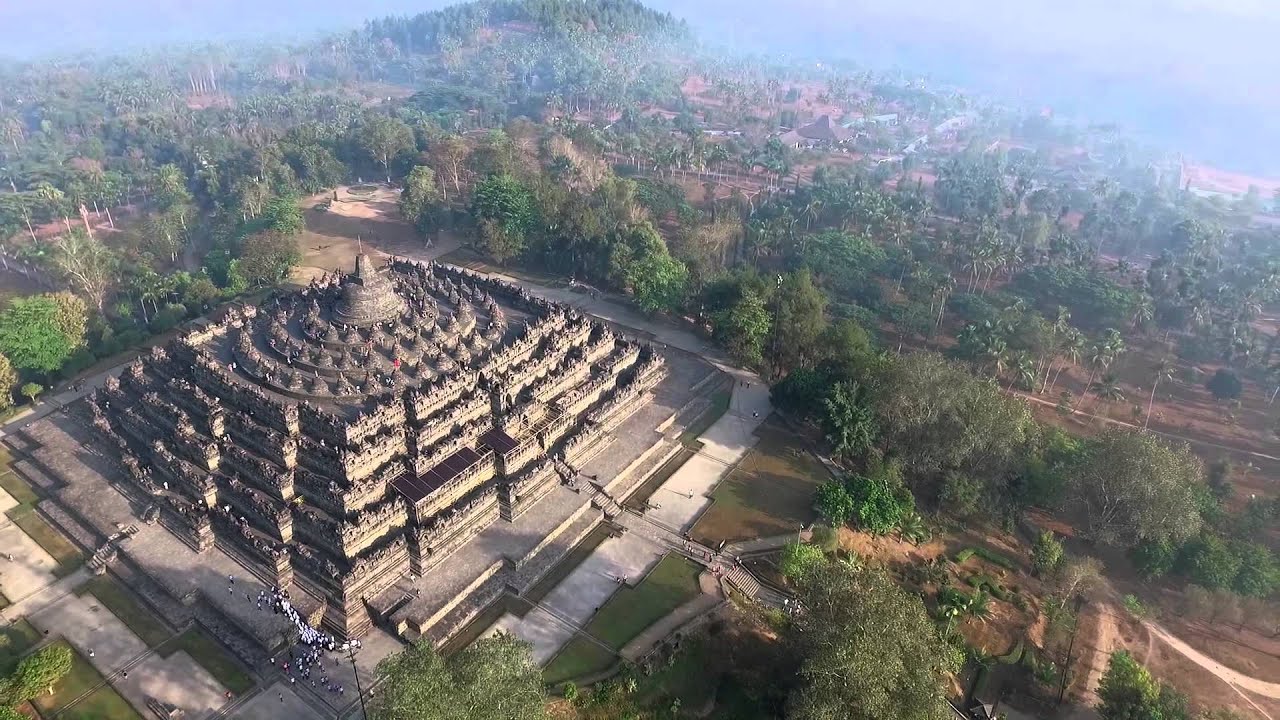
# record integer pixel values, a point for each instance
(395, 463)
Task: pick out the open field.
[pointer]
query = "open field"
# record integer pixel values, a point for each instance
(769, 493)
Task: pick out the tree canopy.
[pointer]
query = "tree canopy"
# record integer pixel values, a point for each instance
(494, 678)
(870, 651)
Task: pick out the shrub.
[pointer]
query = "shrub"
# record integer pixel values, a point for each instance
(1046, 554)
(1134, 606)
(994, 558)
(825, 538)
(797, 560)
(1225, 385)
(168, 317)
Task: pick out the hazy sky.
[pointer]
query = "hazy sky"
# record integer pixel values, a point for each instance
(1205, 67)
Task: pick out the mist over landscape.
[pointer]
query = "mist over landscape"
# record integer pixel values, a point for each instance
(1186, 75)
(639, 360)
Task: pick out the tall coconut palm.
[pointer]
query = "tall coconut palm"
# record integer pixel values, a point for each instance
(1162, 371)
(1108, 388)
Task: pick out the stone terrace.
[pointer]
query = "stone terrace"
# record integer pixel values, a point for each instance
(315, 443)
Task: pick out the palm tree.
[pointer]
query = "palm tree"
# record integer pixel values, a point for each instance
(979, 607)
(1162, 371)
(1108, 388)
(1024, 373)
(912, 529)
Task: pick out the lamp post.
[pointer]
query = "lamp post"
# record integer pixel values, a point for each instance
(351, 654)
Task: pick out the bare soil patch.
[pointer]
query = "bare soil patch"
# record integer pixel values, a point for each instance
(369, 222)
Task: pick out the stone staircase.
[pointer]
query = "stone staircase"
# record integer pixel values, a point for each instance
(606, 503)
(743, 581)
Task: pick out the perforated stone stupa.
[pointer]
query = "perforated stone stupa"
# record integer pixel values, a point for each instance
(368, 296)
(358, 432)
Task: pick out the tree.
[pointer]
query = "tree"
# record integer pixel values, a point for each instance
(1161, 372)
(880, 500)
(420, 194)
(31, 390)
(503, 209)
(1209, 561)
(266, 257)
(1259, 573)
(1079, 575)
(88, 264)
(1224, 385)
(743, 327)
(1130, 486)
(36, 674)
(799, 559)
(1129, 692)
(848, 420)
(869, 649)
(1153, 558)
(8, 379)
(834, 503)
(799, 323)
(1046, 554)
(658, 282)
(494, 678)
(937, 416)
(448, 156)
(34, 333)
(383, 138)
(283, 215)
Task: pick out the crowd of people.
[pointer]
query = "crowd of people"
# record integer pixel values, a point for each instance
(306, 660)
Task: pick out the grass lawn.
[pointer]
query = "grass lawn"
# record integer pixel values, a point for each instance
(212, 657)
(578, 658)
(769, 493)
(111, 595)
(101, 704)
(59, 548)
(14, 485)
(15, 640)
(671, 583)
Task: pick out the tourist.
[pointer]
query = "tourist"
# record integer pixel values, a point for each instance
(90, 652)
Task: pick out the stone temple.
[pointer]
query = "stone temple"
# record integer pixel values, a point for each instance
(346, 441)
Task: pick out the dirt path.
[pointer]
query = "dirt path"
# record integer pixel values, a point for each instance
(1105, 641)
(1175, 436)
(1231, 677)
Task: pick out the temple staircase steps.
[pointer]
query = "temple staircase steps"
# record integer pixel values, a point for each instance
(606, 503)
(743, 581)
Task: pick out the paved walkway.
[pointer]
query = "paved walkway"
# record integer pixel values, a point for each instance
(175, 679)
